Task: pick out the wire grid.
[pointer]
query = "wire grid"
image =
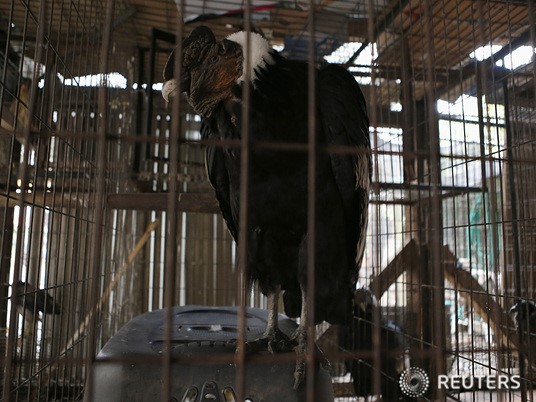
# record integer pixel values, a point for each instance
(451, 227)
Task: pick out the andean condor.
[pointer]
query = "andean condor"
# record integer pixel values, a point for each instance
(212, 75)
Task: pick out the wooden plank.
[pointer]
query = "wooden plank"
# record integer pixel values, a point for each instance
(187, 202)
(406, 258)
(111, 286)
(46, 200)
(481, 300)
(466, 285)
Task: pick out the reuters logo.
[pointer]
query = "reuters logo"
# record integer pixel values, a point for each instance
(414, 382)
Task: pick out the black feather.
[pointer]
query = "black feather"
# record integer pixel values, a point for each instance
(525, 317)
(358, 338)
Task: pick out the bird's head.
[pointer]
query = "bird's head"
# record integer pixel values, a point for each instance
(523, 309)
(364, 302)
(210, 69)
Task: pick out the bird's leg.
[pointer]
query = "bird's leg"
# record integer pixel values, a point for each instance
(300, 340)
(271, 326)
(273, 339)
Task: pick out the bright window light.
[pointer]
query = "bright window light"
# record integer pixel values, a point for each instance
(465, 105)
(483, 52)
(519, 57)
(395, 107)
(113, 80)
(343, 53)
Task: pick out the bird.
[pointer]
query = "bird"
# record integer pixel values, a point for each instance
(525, 311)
(525, 318)
(36, 300)
(213, 76)
(358, 338)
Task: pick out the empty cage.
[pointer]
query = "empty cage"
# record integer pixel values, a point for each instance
(124, 272)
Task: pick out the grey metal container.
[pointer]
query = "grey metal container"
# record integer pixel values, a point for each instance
(128, 368)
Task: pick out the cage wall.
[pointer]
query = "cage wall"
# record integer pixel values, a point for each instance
(107, 212)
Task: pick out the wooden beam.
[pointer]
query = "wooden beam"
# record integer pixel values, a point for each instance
(187, 202)
(487, 64)
(115, 279)
(380, 27)
(404, 259)
(480, 299)
(465, 284)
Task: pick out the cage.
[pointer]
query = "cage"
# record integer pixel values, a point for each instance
(107, 212)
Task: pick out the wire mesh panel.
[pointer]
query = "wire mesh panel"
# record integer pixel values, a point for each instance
(49, 124)
(108, 210)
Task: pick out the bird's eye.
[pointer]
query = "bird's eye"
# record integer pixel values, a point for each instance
(214, 59)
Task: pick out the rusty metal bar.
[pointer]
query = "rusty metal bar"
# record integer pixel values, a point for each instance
(172, 212)
(243, 219)
(373, 121)
(312, 150)
(435, 212)
(514, 202)
(532, 29)
(101, 154)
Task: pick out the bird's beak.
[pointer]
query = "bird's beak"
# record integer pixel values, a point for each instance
(171, 85)
(169, 90)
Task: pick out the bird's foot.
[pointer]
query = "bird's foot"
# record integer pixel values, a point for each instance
(300, 341)
(274, 341)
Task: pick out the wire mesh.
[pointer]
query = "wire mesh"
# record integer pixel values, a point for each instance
(107, 212)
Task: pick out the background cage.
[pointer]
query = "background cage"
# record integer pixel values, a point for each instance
(90, 166)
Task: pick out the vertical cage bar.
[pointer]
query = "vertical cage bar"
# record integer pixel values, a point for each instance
(243, 218)
(373, 121)
(435, 209)
(101, 158)
(172, 213)
(311, 206)
(515, 231)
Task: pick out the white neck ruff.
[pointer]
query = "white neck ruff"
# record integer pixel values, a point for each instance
(260, 55)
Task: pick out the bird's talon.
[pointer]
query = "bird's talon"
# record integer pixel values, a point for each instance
(299, 374)
(274, 342)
